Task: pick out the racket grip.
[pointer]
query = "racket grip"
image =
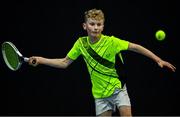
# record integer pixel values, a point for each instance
(26, 59)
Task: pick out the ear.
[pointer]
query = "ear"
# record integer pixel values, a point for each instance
(84, 26)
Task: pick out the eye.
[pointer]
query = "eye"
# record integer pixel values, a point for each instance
(99, 24)
(92, 24)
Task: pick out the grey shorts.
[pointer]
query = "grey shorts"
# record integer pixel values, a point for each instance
(119, 98)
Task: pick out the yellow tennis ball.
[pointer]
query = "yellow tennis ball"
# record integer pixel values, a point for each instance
(160, 35)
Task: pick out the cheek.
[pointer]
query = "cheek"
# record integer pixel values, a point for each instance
(88, 28)
(102, 28)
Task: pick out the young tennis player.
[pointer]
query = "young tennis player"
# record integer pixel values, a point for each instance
(99, 51)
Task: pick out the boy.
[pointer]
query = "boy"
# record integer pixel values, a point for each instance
(99, 53)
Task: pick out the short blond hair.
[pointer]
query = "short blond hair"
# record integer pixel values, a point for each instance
(95, 14)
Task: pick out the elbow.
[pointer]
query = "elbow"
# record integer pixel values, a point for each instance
(65, 66)
(65, 63)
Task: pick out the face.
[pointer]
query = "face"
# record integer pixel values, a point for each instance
(93, 27)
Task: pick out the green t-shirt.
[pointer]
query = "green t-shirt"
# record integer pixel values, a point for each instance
(100, 61)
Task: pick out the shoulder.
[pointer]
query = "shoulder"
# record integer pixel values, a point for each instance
(112, 38)
(107, 37)
(81, 38)
(115, 38)
(79, 42)
(118, 41)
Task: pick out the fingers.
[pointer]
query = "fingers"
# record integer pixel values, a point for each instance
(170, 66)
(34, 61)
(173, 68)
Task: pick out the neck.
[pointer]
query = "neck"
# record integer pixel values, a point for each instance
(94, 39)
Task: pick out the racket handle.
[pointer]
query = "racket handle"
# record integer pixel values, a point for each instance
(26, 59)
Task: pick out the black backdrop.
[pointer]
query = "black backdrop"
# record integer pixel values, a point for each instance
(49, 28)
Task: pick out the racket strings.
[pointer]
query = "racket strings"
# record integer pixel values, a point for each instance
(10, 56)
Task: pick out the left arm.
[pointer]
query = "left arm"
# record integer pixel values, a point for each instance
(140, 49)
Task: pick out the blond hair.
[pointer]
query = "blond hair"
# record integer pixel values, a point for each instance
(94, 14)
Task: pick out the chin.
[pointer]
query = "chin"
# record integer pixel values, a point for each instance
(95, 35)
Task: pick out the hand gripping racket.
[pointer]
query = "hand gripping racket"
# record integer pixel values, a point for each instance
(12, 57)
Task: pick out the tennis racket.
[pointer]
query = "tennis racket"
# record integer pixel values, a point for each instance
(12, 57)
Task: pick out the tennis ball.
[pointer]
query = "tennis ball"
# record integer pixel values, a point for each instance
(160, 35)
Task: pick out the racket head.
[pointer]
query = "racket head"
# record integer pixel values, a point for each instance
(11, 56)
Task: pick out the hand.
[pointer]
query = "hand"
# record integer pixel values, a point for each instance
(163, 64)
(34, 61)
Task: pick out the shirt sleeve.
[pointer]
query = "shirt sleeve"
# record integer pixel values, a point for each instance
(120, 44)
(75, 51)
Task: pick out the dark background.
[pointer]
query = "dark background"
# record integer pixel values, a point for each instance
(50, 27)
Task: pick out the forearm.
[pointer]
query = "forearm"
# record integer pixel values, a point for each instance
(140, 49)
(57, 63)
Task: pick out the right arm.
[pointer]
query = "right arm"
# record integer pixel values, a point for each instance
(57, 63)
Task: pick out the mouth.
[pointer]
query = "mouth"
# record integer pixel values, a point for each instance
(95, 32)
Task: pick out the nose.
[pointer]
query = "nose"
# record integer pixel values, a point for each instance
(95, 27)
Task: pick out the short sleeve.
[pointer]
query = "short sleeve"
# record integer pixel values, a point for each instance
(75, 51)
(120, 44)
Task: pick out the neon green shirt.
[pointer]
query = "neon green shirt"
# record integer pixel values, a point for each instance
(100, 61)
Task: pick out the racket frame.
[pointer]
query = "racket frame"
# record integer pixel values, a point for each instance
(21, 59)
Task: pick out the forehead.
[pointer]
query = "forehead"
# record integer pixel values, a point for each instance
(90, 20)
